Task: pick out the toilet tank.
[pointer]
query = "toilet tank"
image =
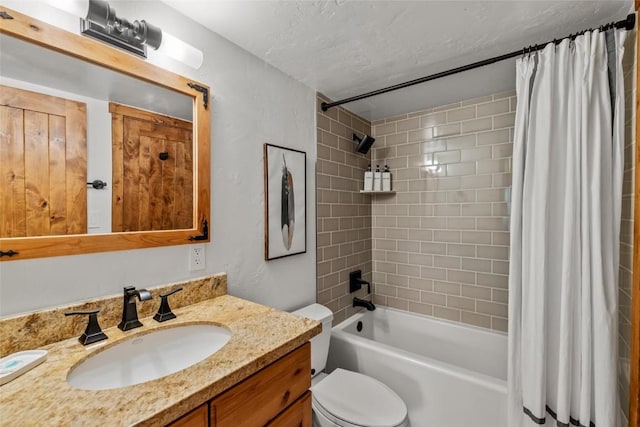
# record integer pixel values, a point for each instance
(319, 343)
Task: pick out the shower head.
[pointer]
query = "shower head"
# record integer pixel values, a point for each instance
(364, 143)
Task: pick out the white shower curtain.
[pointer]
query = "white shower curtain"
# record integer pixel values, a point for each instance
(565, 219)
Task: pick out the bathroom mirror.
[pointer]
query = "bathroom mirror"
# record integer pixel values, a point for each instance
(87, 115)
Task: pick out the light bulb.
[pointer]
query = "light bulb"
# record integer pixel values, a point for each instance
(181, 51)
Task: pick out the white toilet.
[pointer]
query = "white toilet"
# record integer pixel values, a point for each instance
(345, 398)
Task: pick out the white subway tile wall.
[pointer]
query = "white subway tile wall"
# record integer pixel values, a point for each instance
(343, 213)
(441, 242)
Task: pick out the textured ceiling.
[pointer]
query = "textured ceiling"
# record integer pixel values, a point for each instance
(346, 47)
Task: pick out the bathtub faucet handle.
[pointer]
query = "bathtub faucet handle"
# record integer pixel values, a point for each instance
(356, 282)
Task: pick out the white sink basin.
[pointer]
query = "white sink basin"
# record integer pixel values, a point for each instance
(148, 357)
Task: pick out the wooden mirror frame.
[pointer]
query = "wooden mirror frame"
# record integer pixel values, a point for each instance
(34, 31)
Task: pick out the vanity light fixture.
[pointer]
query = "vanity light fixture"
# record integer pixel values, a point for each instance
(102, 23)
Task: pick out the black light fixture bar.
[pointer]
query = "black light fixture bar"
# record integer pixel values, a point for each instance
(628, 24)
(97, 32)
(102, 23)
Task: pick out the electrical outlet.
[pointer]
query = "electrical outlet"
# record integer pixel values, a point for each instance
(197, 260)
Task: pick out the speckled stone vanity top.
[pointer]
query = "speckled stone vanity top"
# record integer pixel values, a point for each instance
(260, 335)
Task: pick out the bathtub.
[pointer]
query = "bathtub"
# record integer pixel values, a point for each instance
(448, 374)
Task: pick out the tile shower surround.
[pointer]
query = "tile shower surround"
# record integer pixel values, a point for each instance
(441, 243)
(343, 214)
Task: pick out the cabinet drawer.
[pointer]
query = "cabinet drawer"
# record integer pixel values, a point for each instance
(296, 415)
(199, 417)
(265, 394)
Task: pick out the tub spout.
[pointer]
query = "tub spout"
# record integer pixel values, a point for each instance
(357, 302)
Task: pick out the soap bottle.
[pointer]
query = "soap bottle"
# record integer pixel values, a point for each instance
(386, 179)
(368, 179)
(377, 179)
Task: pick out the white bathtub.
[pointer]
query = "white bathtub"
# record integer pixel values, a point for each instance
(448, 374)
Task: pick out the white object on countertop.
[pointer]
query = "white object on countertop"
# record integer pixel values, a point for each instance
(16, 364)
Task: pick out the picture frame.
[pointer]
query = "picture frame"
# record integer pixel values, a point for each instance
(285, 202)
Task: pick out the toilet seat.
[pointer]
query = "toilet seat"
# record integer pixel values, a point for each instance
(351, 399)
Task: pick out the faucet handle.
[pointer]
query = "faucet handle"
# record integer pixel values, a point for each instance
(92, 333)
(164, 312)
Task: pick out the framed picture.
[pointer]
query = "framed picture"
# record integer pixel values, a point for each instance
(285, 195)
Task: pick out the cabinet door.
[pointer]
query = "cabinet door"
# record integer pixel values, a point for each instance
(264, 395)
(296, 415)
(199, 417)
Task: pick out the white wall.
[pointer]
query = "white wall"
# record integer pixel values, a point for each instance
(252, 103)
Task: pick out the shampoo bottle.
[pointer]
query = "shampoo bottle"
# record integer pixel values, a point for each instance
(368, 179)
(377, 179)
(386, 179)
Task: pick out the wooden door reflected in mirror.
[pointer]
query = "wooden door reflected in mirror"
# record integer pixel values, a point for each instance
(152, 170)
(43, 164)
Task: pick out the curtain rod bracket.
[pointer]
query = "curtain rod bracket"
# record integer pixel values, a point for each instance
(630, 22)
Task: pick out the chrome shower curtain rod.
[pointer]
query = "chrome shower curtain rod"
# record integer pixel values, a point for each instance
(628, 24)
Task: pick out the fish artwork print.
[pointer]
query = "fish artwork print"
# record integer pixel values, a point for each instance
(287, 214)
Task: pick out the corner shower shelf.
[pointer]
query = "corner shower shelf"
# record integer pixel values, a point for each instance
(378, 192)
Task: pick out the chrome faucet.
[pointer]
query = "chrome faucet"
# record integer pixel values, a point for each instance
(129, 309)
(357, 302)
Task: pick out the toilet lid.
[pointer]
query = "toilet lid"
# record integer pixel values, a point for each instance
(359, 400)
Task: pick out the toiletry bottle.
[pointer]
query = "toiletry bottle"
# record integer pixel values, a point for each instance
(377, 179)
(368, 179)
(386, 179)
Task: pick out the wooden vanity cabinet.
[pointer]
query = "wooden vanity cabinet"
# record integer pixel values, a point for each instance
(275, 396)
(199, 417)
(296, 415)
(258, 399)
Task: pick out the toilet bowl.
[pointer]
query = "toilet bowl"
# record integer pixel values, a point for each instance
(345, 398)
(350, 399)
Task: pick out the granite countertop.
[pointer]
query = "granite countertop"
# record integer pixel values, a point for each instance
(260, 335)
